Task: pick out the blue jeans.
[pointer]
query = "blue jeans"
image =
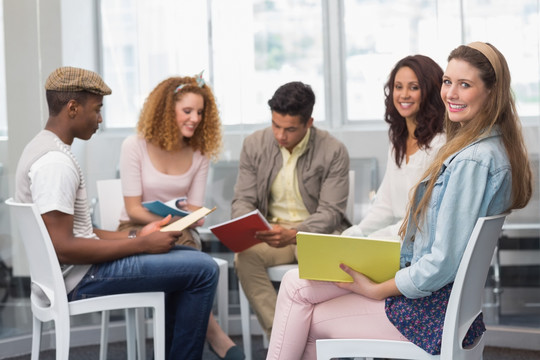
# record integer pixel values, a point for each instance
(187, 276)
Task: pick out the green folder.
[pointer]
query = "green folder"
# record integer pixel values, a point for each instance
(319, 256)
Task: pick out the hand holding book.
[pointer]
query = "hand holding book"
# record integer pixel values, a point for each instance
(154, 226)
(365, 286)
(180, 203)
(278, 236)
(238, 234)
(174, 207)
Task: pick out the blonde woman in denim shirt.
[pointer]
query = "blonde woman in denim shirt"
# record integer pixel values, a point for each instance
(482, 170)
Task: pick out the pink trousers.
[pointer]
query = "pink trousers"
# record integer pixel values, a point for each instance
(309, 310)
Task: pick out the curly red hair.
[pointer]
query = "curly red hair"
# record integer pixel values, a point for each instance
(157, 121)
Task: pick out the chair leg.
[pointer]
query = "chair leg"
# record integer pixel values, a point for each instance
(36, 338)
(62, 333)
(104, 342)
(159, 332)
(140, 331)
(135, 339)
(223, 296)
(130, 334)
(245, 318)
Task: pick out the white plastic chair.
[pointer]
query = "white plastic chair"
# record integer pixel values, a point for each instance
(349, 212)
(275, 274)
(464, 305)
(48, 292)
(110, 204)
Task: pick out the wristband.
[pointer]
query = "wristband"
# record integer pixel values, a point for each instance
(132, 234)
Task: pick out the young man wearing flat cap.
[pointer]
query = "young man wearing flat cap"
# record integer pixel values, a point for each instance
(98, 262)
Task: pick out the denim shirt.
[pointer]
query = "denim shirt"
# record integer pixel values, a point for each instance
(474, 182)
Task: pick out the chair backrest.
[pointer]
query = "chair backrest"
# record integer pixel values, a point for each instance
(48, 291)
(366, 183)
(349, 212)
(220, 190)
(465, 302)
(110, 203)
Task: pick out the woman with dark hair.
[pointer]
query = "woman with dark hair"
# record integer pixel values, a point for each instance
(415, 112)
(482, 170)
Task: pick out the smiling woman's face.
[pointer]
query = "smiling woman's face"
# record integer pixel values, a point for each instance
(463, 91)
(189, 111)
(407, 95)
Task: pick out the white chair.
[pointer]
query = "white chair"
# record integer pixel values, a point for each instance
(464, 305)
(275, 274)
(110, 204)
(349, 212)
(49, 299)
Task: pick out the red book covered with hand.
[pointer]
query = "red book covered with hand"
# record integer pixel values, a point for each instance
(238, 234)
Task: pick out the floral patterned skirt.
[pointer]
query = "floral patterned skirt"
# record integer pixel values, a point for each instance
(421, 320)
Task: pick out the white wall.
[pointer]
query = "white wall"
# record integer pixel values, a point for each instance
(32, 50)
(39, 37)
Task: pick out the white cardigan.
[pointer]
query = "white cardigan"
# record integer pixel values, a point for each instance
(385, 216)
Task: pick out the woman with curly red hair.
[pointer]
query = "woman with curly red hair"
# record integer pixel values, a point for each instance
(178, 133)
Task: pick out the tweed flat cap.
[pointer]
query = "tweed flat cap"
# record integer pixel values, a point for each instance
(74, 79)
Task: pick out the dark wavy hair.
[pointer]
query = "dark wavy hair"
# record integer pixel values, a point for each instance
(294, 99)
(430, 117)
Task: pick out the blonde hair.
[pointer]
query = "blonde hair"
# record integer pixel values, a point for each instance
(500, 110)
(157, 121)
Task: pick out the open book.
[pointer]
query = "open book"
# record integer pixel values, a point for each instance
(165, 208)
(187, 220)
(319, 256)
(238, 234)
